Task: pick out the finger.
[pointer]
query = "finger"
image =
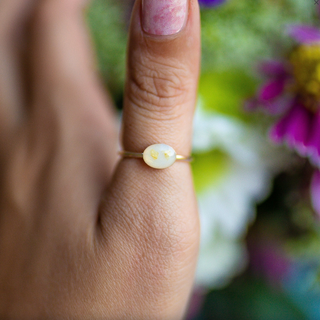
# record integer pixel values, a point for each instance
(14, 15)
(63, 60)
(71, 115)
(65, 69)
(162, 79)
(150, 215)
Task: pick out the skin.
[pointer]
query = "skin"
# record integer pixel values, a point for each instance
(84, 234)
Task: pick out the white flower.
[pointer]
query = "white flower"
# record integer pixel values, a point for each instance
(227, 207)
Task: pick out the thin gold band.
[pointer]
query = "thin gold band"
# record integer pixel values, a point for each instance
(127, 154)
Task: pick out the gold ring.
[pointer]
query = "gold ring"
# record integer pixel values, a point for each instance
(157, 156)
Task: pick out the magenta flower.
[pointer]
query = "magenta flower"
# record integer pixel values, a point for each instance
(211, 3)
(292, 92)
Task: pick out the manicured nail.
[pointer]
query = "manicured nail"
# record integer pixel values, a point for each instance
(163, 17)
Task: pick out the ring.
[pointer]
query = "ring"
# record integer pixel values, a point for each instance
(157, 156)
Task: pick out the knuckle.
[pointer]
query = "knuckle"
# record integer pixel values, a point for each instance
(159, 87)
(71, 118)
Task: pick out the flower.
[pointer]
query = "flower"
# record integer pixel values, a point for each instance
(293, 93)
(227, 203)
(211, 3)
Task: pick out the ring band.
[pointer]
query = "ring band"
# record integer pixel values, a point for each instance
(127, 154)
(157, 156)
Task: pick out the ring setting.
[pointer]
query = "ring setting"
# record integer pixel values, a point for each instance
(157, 156)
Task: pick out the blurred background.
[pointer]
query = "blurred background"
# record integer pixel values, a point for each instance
(256, 152)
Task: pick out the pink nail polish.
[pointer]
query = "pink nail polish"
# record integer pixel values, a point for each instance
(163, 17)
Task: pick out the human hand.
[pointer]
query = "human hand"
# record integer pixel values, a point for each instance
(80, 239)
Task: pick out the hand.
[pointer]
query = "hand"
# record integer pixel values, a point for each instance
(79, 237)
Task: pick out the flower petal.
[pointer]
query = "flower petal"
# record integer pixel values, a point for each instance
(279, 130)
(315, 191)
(278, 106)
(304, 34)
(293, 128)
(272, 68)
(298, 129)
(313, 143)
(211, 3)
(271, 90)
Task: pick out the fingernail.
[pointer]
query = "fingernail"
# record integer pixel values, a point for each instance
(163, 17)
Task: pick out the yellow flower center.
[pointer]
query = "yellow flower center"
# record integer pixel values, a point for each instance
(305, 60)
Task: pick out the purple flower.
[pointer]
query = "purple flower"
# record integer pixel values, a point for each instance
(315, 191)
(268, 259)
(304, 34)
(211, 3)
(292, 92)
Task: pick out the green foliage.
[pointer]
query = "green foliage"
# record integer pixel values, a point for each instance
(108, 25)
(242, 32)
(251, 299)
(306, 246)
(208, 168)
(225, 91)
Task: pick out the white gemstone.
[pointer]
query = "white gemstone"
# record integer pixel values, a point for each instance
(159, 156)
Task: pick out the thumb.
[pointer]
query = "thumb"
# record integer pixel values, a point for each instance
(149, 216)
(162, 75)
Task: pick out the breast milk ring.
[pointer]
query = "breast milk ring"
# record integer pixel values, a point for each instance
(158, 156)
